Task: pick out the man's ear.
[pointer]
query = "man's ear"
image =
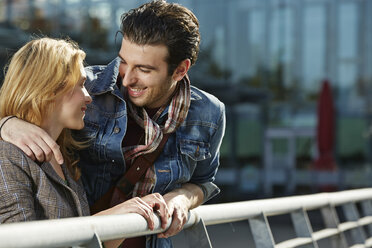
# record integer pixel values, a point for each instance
(181, 70)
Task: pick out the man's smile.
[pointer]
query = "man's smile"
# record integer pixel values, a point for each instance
(136, 92)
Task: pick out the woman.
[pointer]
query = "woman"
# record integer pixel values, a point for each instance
(44, 85)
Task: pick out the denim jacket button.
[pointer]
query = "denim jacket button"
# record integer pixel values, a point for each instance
(197, 153)
(116, 129)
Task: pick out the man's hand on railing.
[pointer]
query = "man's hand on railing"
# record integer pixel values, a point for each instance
(179, 202)
(159, 206)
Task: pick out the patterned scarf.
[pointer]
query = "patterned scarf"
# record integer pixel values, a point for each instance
(177, 112)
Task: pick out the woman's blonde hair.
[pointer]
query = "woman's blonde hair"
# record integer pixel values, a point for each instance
(37, 74)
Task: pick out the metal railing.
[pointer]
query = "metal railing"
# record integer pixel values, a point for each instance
(354, 205)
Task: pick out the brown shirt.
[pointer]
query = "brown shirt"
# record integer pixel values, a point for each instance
(34, 192)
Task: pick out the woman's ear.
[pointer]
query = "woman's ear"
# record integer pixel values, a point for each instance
(181, 70)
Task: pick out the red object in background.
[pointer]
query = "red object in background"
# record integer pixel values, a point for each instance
(325, 130)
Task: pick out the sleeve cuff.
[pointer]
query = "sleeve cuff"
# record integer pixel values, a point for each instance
(209, 189)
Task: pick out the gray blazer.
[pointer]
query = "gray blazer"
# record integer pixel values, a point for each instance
(29, 191)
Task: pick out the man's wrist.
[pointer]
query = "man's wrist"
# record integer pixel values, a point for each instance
(190, 194)
(3, 121)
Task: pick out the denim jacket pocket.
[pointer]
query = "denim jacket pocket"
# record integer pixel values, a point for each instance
(195, 150)
(172, 171)
(192, 153)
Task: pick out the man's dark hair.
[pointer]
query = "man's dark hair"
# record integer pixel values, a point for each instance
(162, 23)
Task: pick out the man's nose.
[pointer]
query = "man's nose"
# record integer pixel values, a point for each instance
(129, 78)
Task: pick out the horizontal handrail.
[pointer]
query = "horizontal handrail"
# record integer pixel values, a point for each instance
(76, 231)
(237, 211)
(81, 230)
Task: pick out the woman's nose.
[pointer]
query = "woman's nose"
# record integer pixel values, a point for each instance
(88, 98)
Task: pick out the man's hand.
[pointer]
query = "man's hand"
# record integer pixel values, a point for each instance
(157, 202)
(179, 202)
(178, 207)
(31, 139)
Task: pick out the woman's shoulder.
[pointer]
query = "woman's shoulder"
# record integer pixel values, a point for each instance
(7, 146)
(10, 152)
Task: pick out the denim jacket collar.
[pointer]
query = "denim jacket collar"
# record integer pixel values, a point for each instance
(107, 80)
(195, 96)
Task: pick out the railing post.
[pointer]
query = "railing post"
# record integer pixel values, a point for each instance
(94, 243)
(197, 235)
(261, 231)
(331, 220)
(351, 214)
(303, 227)
(367, 211)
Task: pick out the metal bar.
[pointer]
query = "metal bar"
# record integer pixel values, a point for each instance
(352, 215)
(197, 236)
(95, 242)
(303, 227)
(331, 221)
(75, 231)
(81, 230)
(261, 231)
(367, 211)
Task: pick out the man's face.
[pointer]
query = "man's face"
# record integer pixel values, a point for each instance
(144, 73)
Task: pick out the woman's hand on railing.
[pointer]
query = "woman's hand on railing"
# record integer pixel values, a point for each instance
(145, 206)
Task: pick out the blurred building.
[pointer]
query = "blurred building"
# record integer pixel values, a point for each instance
(278, 52)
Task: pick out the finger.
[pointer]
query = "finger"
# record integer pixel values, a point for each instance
(164, 215)
(149, 216)
(49, 147)
(146, 211)
(37, 151)
(152, 201)
(27, 151)
(163, 218)
(171, 230)
(157, 202)
(179, 218)
(45, 148)
(55, 149)
(161, 208)
(174, 227)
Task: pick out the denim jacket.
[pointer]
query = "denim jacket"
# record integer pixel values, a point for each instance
(191, 154)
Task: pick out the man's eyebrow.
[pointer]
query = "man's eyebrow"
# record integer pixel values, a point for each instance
(150, 67)
(121, 57)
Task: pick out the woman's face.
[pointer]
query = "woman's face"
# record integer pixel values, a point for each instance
(72, 105)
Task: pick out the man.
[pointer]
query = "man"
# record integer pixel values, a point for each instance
(137, 98)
